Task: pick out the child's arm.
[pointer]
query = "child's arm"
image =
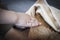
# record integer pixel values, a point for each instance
(18, 19)
(7, 17)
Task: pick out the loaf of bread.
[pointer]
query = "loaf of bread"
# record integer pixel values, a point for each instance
(49, 17)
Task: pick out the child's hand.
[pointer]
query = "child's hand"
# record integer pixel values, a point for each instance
(25, 20)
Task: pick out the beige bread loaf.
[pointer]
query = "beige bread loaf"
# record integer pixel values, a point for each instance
(49, 17)
(49, 14)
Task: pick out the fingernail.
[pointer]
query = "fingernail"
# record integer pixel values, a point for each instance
(39, 23)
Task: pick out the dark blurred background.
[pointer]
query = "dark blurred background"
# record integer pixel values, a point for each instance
(18, 5)
(24, 5)
(54, 3)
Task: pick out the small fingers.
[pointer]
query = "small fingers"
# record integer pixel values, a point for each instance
(33, 22)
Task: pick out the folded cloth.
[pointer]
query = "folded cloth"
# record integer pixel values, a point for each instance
(49, 13)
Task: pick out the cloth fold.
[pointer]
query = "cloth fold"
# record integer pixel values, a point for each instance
(50, 14)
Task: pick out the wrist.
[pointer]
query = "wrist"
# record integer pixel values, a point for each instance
(17, 18)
